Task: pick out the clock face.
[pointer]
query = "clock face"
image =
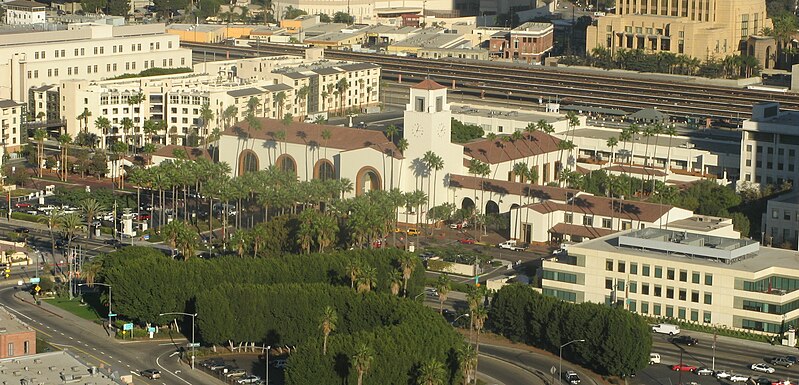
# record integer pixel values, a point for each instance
(418, 131)
(442, 130)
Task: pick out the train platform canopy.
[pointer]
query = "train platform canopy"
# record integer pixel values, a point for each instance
(595, 110)
(649, 115)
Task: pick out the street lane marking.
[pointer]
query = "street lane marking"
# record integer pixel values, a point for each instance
(157, 362)
(86, 353)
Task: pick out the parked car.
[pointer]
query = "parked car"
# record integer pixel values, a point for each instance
(763, 381)
(432, 292)
(685, 340)
(151, 374)
(212, 362)
(683, 368)
(217, 365)
(703, 372)
(23, 205)
(722, 374)
(571, 377)
(511, 245)
(467, 241)
(654, 358)
(762, 368)
(251, 379)
(23, 230)
(739, 378)
(458, 225)
(235, 372)
(782, 361)
(413, 231)
(280, 364)
(143, 217)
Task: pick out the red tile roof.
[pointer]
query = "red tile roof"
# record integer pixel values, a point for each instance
(601, 206)
(499, 151)
(583, 231)
(428, 85)
(515, 188)
(342, 138)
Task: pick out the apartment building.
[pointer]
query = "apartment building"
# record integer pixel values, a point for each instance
(697, 28)
(781, 221)
(271, 87)
(16, 338)
(11, 136)
(84, 51)
(717, 281)
(24, 12)
(770, 146)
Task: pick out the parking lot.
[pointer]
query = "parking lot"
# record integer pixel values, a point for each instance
(235, 367)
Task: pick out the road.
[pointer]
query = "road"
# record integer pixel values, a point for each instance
(94, 346)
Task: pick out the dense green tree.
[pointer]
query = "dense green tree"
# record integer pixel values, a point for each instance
(293, 13)
(343, 17)
(462, 133)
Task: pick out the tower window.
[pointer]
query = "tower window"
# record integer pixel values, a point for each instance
(439, 103)
(420, 104)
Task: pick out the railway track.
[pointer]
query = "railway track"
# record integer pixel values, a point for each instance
(531, 84)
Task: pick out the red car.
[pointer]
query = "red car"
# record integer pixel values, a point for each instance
(467, 241)
(143, 217)
(23, 205)
(683, 368)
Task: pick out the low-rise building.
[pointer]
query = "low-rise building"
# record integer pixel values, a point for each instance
(429, 38)
(701, 279)
(11, 135)
(23, 12)
(457, 53)
(57, 368)
(198, 33)
(17, 339)
(299, 23)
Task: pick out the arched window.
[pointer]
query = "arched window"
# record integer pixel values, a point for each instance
(286, 163)
(368, 179)
(248, 162)
(324, 170)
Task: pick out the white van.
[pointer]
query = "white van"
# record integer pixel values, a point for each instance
(666, 329)
(654, 358)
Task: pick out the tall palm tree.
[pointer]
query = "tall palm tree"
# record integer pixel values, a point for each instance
(476, 167)
(342, 86)
(479, 316)
(522, 170)
(431, 373)
(64, 140)
(206, 117)
(354, 267)
(362, 360)
(302, 96)
(90, 207)
(367, 280)
(71, 225)
(127, 126)
(280, 99)
(328, 325)
(52, 220)
(443, 285)
(407, 262)
(436, 163)
(467, 358)
(612, 143)
(670, 131)
(390, 132)
(92, 270)
(395, 280)
(40, 135)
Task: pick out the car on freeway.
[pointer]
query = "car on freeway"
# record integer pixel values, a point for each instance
(739, 378)
(781, 361)
(571, 377)
(683, 368)
(685, 340)
(251, 379)
(467, 241)
(235, 372)
(431, 291)
(703, 372)
(763, 381)
(23, 205)
(151, 374)
(763, 368)
(791, 358)
(722, 374)
(23, 230)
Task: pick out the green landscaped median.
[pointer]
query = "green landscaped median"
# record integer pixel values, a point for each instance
(83, 310)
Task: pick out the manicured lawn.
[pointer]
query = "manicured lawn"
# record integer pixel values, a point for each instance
(87, 311)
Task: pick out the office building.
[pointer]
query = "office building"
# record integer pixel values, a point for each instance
(781, 221)
(703, 279)
(769, 147)
(24, 12)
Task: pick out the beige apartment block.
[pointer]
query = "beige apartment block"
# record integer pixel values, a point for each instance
(769, 147)
(84, 51)
(697, 28)
(10, 131)
(702, 279)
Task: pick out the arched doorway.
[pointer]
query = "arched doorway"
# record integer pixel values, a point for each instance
(467, 203)
(324, 170)
(248, 162)
(368, 179)
(492, 207)
(286, 163)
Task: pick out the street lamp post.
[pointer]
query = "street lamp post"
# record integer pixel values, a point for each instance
(266, 359)
(110, 314)
(458, 317)
(560, 359)
(193, 316)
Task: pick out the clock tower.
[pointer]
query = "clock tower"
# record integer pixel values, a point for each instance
(427, 126)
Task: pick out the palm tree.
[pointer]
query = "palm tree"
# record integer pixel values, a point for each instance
(407, 262)
(71, 225)
(280, 99)
(354, 267)
(327, 324)
(479, 316)
(230, 113)
(302, 95)
(522, 170)
(436, 163)
(391, 131)
(474, 298)
(362, 360)
(612, 143)
(468, 360)
(431, 373)
(342, 86)
(65, 140)
(239, 241)
(206, 117)
(85, 116)
(367, 280)
(135, 100)
(395, 279)
(127, 125)
(53, 220)
(90, 207)
(443, 285)
(476, 167)
(40, 135)
(92, 270)
(670, 131)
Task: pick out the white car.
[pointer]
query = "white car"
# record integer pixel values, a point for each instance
(739, 378)
(703, 372)
(762, 368)
(251, 379)
(722, 374)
